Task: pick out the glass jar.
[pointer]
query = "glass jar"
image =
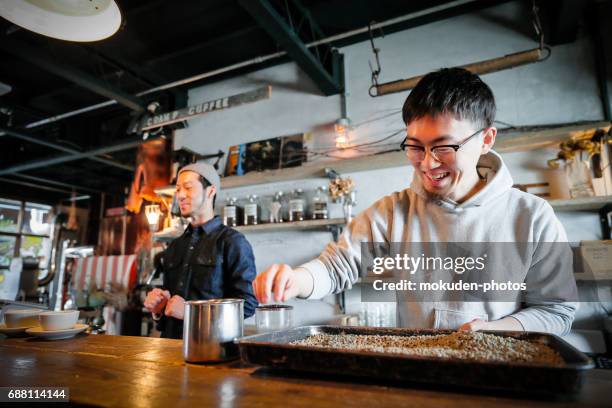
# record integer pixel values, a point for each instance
(251, 210)
(276, 207)
(319, 204)
(269, 318)
(296, 205)
(230, 212)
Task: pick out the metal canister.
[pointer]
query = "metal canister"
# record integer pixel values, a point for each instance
(210, 328)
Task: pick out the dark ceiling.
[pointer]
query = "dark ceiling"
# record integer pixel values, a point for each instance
(161, 42)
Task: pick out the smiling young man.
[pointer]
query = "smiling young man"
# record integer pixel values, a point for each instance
(461, 192)
(209, 261)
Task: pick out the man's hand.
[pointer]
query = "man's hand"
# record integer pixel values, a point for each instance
(280, 283)
(507, 323)
(474, 325)
(156, 300)
(176, 307)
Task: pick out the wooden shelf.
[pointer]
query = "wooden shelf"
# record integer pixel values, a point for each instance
(296, 225)
(545, 136)
(581, 204)
(507, 141)
(573, 204)
(286, 226)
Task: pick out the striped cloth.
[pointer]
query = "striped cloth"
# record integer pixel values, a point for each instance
(104, 269)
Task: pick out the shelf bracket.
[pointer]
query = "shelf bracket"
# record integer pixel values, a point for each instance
(335, 230)
(605, 217)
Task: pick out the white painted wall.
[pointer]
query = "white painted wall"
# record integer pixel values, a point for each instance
(559, 90)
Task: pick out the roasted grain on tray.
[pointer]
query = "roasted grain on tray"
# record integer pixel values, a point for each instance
(457, 345)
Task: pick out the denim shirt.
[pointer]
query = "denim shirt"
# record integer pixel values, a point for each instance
(210, 261)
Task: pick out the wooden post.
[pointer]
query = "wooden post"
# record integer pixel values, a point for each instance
(479, 68)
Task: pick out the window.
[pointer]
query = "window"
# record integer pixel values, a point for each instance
(36, 247)
(9, 215)
(24, 231)
(35, 219)
(7, 250)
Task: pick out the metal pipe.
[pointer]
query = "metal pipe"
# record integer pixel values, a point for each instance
(480, 68)
(257, 60)
(55, 146)
(51, 264)
(71, 157)
(386, 23)
(601, 69)
(38, 186)
(57, 183)
(345, 93)
(101, 217)
(79, 198)
(41, 60)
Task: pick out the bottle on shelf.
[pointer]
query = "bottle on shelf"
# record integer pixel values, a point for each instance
(276, 207)
(230, 212)
(296, 205)
(319, 204)
(251, 210)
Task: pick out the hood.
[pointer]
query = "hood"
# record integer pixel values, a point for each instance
(491, 167)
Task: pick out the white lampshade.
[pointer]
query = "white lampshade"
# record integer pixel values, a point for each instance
(70, 20)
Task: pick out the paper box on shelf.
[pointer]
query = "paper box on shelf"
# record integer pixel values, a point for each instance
(596, 260)
(603, 184)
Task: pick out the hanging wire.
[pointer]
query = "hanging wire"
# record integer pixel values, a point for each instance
(358, 147)
(375, 72)
(289, 15)
(365, 122)
(537, 26)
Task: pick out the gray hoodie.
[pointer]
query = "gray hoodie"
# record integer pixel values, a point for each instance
(497, 213)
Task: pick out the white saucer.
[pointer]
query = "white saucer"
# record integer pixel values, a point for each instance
(12, 331)
(56, 334)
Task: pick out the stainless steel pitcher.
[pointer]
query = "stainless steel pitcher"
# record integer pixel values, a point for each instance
(209, 329)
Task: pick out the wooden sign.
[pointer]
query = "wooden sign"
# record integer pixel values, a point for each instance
(115, 212)
(162, 119)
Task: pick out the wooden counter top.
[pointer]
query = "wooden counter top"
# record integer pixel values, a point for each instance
(105, 370)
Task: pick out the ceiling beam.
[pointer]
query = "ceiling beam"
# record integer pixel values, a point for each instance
(35, 164)
(268, 18)
(561, 20)
(35, 185)
(31, 139)
(216, 41)
(49, 63)
(59, 183)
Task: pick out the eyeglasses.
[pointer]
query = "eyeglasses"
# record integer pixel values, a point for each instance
(442, 153)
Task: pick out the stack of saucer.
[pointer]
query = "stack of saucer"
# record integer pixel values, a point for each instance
(57, 325)
(17, 321)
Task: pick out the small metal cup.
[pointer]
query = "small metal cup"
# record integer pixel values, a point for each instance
(210, 328)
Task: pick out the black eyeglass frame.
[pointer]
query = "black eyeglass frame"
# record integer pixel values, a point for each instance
(455, 147)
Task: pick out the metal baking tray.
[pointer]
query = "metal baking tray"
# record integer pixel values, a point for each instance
(273, 350)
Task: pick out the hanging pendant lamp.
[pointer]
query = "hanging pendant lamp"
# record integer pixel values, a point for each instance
(70, 20)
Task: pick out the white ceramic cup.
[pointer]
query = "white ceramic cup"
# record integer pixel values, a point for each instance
(14, 318)
(62, 320)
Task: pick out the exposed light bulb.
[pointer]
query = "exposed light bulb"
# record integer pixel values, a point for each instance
(153, 213)
(342, 128)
